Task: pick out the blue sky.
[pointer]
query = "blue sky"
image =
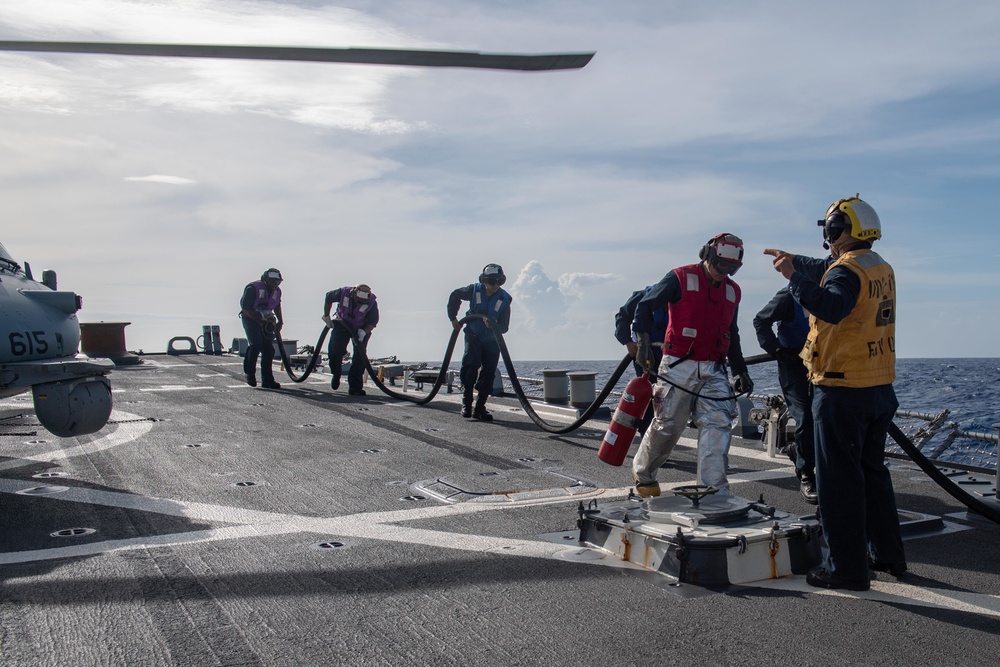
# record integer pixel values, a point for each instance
(157, 189)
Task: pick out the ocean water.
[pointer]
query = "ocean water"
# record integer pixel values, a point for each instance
(969, 388)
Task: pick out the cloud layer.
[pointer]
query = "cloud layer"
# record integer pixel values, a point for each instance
(158, 188)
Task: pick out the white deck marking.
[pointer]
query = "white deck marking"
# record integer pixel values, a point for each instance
(175, 387)
(123, 434)
(386, 526)
(885, 591)
(373, 525)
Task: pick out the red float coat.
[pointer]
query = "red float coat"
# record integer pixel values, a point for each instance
(699, 322)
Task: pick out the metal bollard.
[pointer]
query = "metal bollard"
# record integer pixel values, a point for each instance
(106, 339)
(216, 339)
(582, 388)
(204, 341)
(240, 346)
(555, 386)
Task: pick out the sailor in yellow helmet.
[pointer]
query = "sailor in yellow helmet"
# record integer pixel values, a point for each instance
(850, 354)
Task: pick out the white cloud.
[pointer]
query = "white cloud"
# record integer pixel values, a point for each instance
(691, 120)
(159, 178)
(348, 97)
(543, 303)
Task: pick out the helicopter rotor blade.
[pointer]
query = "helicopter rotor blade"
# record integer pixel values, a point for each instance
(406, 57)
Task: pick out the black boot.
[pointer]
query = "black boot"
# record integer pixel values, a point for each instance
(807, 488)
(467, 404)
(480, 412)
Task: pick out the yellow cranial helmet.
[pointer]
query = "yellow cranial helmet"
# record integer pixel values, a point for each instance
(854, 216)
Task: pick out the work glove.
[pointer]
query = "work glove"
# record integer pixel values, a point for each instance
(644, 353)
(328, 321)
(362, 334)
(742, 384)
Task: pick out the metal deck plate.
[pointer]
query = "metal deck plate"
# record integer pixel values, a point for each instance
(504, 486)
(712, 509)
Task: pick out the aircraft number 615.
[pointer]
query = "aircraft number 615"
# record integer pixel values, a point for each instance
(29, 342)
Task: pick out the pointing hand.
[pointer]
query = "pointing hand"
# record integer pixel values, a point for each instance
(782, 261)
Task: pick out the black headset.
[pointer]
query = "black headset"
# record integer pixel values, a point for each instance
(835, 222)
(706, 250)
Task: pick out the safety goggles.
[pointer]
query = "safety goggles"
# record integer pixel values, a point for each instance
(728, 257)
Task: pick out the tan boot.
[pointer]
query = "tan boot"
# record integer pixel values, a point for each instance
(650, 490)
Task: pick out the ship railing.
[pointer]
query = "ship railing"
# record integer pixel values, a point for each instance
(946, 443)
(943, 441)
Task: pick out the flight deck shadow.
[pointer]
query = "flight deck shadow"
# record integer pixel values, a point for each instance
(965, 620)
(165, 571)
(45, 515)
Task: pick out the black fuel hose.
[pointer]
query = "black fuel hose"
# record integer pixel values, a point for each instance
(986, 510)
(749, 361)
(508, 364)
(979, 507)
(438, 382)
(311, 365)
(515, 383)
(313, 362)
(522, 399)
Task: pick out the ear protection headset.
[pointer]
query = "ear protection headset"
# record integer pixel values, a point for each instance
(272, 275)
(852, 215)
(492, 275)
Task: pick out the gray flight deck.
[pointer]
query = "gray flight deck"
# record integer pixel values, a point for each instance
(211, 523)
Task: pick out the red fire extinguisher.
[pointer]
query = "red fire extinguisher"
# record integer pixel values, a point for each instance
(625, 421)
